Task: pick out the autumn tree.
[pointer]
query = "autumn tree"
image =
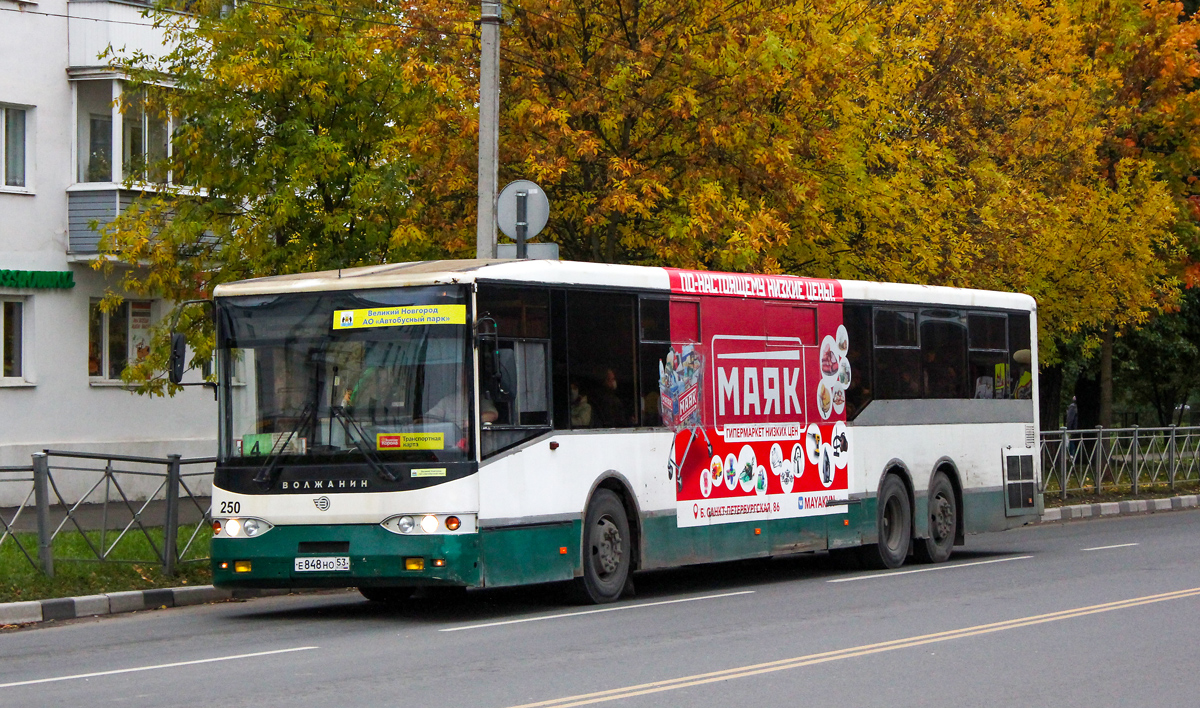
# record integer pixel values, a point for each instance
(291, 153)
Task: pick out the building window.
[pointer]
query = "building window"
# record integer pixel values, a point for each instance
(94, 100)
(12, 327)
(143, 134)
(144, 139)
(117, 338)
(12, 146)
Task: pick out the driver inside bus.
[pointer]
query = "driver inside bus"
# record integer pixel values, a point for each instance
(451, 408)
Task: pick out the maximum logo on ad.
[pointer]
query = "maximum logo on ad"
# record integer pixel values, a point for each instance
(322, 503)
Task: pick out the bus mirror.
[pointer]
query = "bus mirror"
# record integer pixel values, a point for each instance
(178, 352)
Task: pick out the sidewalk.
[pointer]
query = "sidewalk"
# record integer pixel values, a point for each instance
(15, 613)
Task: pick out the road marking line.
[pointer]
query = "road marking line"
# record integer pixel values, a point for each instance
(893, 574)
(156, 666)
(593, 612)
(1105, 548)
(851, 652)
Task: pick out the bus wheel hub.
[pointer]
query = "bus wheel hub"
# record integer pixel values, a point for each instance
(607, 549)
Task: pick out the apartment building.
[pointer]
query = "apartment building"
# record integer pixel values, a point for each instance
(65, 151)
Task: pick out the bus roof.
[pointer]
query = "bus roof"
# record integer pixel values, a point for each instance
(576, 273)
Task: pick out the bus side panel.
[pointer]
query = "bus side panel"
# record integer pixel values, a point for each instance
(665, 545)
(975, 449)
(530, 554)
(533, 499)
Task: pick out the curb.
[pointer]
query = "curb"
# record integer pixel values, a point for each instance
(1122, 508)
(64, 608)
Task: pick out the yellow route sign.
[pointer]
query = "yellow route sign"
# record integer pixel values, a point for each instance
(402, 316)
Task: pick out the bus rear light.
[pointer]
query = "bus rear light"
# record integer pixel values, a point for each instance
(241, 566)
(452, 523)
(414, 564)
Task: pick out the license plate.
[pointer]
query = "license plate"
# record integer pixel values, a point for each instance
(325, 563)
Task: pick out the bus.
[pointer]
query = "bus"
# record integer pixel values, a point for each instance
(489, 423)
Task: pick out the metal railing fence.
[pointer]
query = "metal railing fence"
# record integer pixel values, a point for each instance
(22, 475)
(1120, 460)
(116, 504)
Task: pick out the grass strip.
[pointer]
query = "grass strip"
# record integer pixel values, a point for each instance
(21, 581)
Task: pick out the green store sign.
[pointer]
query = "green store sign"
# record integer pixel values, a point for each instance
(38, 279)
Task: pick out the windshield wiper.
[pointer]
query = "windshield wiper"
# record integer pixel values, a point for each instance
(351, 426)
(265, 477)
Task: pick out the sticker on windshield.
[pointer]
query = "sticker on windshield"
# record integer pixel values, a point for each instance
(402, 316)
(410, 441)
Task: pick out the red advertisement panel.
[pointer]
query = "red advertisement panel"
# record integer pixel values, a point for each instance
(770, 374)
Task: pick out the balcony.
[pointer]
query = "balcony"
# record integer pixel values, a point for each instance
(94, 25)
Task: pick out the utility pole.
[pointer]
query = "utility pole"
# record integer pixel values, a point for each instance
(489, 127)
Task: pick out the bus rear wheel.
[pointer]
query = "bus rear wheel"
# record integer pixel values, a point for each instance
(606, 549)
(894, 526)
(943, 523)
(386, 596)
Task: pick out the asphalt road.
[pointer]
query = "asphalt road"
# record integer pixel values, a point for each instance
(1093, 613)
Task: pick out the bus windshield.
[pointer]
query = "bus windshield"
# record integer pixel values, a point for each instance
(370, 375)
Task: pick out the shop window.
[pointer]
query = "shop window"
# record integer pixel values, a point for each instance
(12, 146)
(12, 339)
(117, 338)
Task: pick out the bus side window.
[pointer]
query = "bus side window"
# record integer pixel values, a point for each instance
(857, 319)
(943, 354)
(1021, 355)
(987, 338)
(655, 327)
(685, 321)
(601, 350)
(897, 355)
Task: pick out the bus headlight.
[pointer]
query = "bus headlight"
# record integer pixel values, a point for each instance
(423, 524)
(240, 528)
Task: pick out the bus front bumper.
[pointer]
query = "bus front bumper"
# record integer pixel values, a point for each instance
(377, 558)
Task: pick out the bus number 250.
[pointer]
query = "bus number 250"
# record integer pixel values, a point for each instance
(231, 507)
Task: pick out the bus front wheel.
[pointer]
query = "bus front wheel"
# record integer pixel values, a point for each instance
(943, 523)
(606, 548)
(894, 525)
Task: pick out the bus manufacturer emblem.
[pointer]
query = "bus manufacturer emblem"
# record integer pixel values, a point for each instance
(322, 503)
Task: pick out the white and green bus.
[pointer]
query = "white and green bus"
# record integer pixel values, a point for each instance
(486, 423)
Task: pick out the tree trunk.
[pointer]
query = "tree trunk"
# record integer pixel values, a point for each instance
(1106, 368)
(1050, 392)
(1087, 398)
